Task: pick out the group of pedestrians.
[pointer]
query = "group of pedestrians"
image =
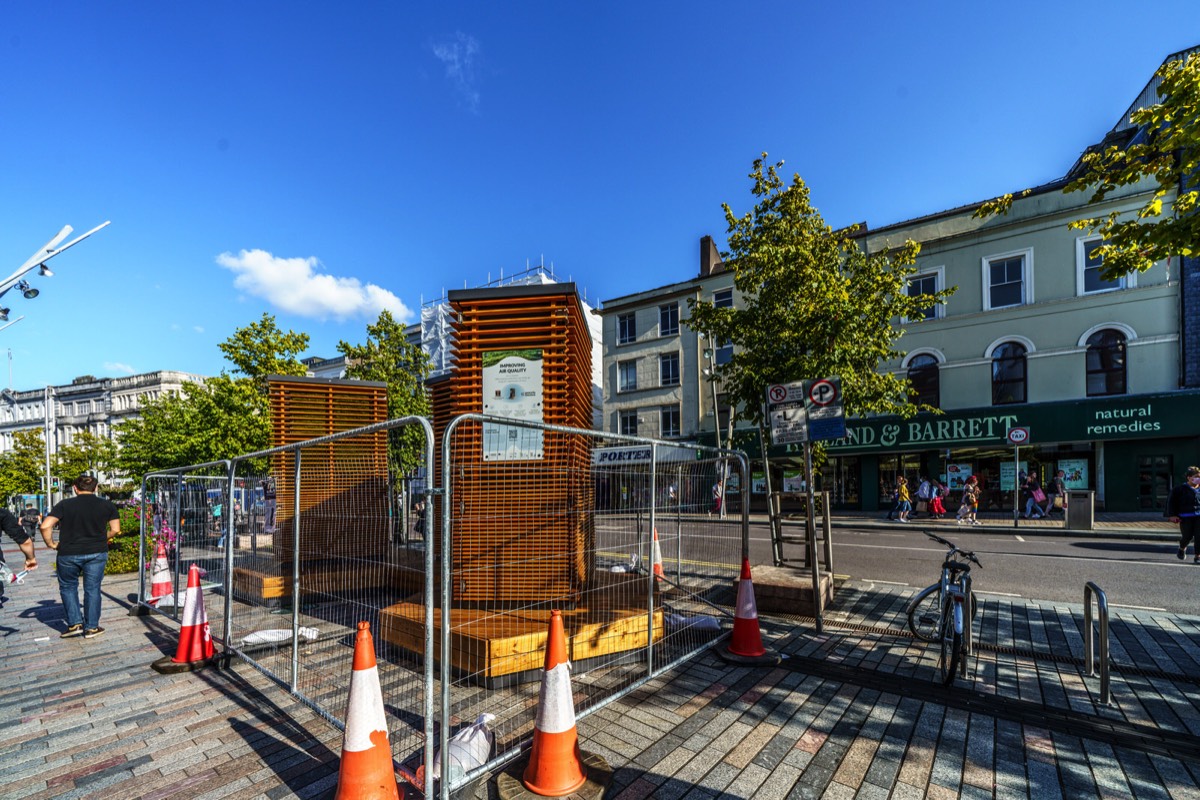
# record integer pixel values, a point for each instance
(930, 495)
(1041, 502)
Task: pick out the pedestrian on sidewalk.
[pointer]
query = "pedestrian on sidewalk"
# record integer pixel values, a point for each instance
(1183, 508)
(924, 490)
(968, 511)
(1031, 491)
(903, 503)
(937, 509)
(86, 523)
(1056, 493)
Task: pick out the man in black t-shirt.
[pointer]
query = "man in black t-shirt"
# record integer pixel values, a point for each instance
(85, 523)
(9, 524)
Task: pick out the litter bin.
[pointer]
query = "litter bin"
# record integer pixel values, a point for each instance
(1081, 510)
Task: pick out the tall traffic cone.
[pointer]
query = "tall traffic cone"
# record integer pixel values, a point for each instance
(555, 763)
(160, 577)
(195, 639)
(366, 772)
(656, 557)
(745, 646)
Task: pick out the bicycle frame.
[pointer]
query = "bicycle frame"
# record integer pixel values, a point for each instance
(954, 595)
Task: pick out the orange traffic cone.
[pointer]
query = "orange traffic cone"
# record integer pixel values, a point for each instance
(160, 577)
(746, 640)
(366, 772)
(656, 557)
(555, 763)
(195, 640)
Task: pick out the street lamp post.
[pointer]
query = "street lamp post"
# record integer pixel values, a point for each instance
(710, 372)
(38, 260)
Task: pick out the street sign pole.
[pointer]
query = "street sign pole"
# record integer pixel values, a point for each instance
(1016, 488)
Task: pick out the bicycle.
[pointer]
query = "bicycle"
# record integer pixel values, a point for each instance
(936, 614)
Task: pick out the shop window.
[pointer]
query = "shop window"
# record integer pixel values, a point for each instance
(1155, 479)
(1008, 374)
(1106, 363)
(924, 377)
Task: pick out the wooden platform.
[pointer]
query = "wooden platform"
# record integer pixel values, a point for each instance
(266, 585)
(487, 644)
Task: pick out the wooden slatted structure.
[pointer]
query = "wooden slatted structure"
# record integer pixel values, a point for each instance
(522, 529)
(338, 478)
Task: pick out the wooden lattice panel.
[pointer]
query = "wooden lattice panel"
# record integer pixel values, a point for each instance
(343, 491)
(520, 528)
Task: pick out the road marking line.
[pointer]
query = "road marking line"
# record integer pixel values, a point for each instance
(1138, 608)
(998, 594)
(886, 583)
(1020, 538)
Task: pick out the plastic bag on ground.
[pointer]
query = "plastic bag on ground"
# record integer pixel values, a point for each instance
(470, 748)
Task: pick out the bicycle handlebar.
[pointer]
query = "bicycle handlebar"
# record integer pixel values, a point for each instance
(954, 549)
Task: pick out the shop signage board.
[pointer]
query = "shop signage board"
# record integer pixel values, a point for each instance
(786, 412)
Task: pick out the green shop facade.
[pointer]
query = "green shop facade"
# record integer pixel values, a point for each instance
(1130, 450)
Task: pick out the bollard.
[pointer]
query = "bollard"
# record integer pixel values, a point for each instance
(1088, 651)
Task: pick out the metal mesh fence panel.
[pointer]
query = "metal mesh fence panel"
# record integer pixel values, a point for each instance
(622, 535)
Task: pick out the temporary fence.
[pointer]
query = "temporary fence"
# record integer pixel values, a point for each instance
(623, 535)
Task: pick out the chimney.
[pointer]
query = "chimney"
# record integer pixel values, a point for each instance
(710, 259)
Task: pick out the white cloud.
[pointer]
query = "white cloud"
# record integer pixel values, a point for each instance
(117, 366)
(458, 56)
(294, 285)
(198, 328)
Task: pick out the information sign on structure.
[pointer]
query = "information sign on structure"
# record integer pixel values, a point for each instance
(823, 404)
(785, 410)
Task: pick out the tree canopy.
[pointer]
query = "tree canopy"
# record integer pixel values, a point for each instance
(261, 349)
(388, 356)
(813, 303)
(22, 467)
(1166, 149)
(87, 453)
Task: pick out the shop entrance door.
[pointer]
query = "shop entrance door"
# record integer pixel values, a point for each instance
(1155, 475)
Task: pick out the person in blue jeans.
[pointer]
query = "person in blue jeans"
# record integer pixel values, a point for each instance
(86, 523)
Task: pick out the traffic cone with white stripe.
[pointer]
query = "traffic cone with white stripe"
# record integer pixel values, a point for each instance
(745, 645)
(195, 639)
(555, 762)
(160, 576)
(366, 771)
(656, 557)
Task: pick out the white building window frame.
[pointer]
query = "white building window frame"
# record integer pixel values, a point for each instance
(623, 385)
(1124, 282)
(1027, 295)
(939, 276)
(664, 361)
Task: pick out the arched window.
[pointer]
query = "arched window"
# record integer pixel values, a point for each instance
(1106, 363)
(923, 375)
(1008, 374)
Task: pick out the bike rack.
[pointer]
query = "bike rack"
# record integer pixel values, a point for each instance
(1088, 651)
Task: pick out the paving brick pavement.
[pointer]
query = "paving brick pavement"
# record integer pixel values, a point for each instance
(850, 713)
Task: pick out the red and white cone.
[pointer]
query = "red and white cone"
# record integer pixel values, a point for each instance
(160, 576)
(555, 762)
(195, 639)
(746, 641)
(366, 771)
(656, 563)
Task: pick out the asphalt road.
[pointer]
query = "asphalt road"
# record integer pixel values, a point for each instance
(1133, 573)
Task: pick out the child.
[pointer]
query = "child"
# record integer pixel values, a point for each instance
(970, 502)
(903, 504)
(936, 491)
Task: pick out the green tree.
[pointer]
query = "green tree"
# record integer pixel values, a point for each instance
(23, 467)
(813, 303)
(88, 453)
(220, 418)
(1167, 150)
(388, 356)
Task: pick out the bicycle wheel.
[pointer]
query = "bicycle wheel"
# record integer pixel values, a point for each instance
(951, 645)
(925, 614)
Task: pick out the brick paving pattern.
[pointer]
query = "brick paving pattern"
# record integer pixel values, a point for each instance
(851, 713)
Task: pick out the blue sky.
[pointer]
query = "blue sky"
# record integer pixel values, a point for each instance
(322, 161)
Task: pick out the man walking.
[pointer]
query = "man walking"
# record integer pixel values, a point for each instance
(9, 524)
(1183, 508)
(85, 523)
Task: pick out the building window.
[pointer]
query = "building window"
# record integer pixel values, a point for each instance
(1008, 374)
(1007, 280)
(668, 319)
(924, 376)
(1106, 363)
(925, 283)
(1089, 265)
(668, 369)
(626, 376)
(670, 422)
(626, 329)
(629, 422)
(723, 298)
